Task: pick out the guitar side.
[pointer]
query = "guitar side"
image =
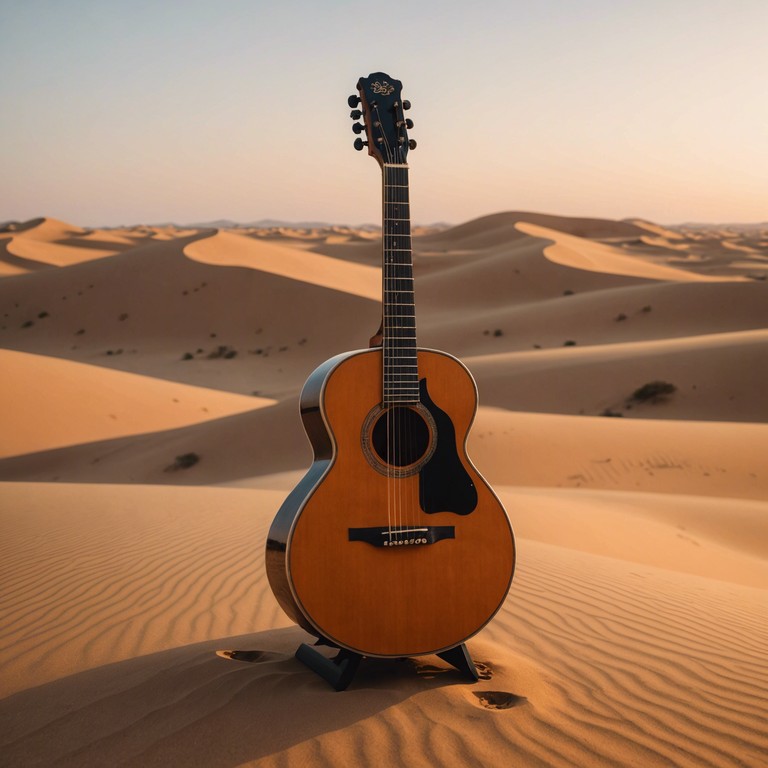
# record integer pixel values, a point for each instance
(408, 600)
(321, 439)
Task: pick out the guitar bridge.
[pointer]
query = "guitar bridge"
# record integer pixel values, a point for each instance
(402, 536)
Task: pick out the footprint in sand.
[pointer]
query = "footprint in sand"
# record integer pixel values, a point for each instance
(499, 699)
(429, 671)
(249, 656)
(484, 670)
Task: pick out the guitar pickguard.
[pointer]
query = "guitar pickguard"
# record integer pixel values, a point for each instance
(444, 483)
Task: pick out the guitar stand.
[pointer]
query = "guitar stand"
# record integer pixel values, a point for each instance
(340, 670)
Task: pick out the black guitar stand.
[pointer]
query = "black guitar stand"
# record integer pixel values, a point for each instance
(340, 670)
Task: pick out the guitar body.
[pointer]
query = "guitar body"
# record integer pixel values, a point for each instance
(392, 544)
(390, 551)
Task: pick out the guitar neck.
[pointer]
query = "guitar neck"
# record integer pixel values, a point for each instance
(401, 377)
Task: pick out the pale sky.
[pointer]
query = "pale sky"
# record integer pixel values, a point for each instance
(128, 111)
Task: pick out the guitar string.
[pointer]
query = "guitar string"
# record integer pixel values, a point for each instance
(406, 437)
(414, 378)
(397, 353)
(402, 505)
(403, 347)
(404, 351)
(391, 501)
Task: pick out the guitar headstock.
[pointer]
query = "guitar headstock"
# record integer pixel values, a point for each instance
(381, 107)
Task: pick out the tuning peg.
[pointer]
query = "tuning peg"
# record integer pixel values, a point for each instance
(355, 114)
(359, 144)
(358, 127)
(411, 144)
(353, 100)
(406, 104)
(408, 123)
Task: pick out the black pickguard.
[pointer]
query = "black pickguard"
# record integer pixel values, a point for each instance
(444, 484)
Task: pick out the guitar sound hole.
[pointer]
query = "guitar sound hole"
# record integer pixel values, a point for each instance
(400, 436)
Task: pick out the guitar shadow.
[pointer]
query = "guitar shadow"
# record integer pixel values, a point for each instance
(203, 704)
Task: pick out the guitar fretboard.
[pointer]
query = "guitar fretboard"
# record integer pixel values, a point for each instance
(401, 376)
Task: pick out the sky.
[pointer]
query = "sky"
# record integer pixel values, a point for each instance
(129, 111)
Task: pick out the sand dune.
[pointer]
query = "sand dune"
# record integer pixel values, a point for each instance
(579, 253)
(55, 243)
(594, 660)
(144, 310)
(633, 632)
(719, 459)
(226, 249)
(501, 227)
(48, 403)
(229, 448)
(635, 313)
(715, 376)
(713, 458)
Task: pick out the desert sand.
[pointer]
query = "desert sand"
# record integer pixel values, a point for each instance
(150, 431)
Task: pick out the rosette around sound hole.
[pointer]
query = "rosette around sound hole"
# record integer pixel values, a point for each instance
(399, 439)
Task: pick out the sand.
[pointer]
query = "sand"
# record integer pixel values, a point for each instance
(636, 629)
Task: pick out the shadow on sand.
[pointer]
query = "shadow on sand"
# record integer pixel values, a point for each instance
(201, 704)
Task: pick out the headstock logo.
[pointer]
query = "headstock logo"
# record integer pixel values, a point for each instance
(384, 88)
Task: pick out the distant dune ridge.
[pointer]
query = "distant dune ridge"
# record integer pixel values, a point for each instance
(150, 431)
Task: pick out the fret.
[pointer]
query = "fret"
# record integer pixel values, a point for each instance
(400, 379)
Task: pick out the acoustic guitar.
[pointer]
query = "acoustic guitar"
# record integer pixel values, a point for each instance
(392, 544)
